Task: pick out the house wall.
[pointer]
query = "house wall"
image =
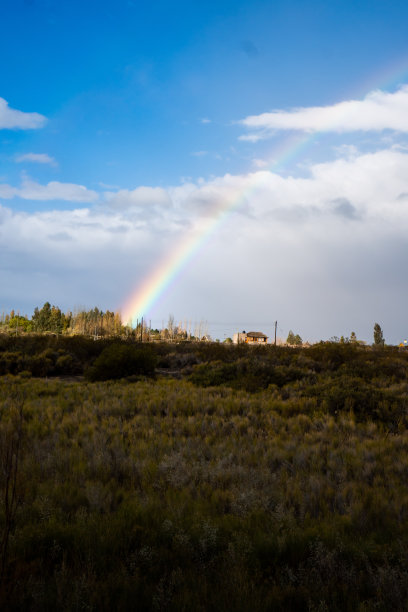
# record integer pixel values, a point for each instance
(240, 337)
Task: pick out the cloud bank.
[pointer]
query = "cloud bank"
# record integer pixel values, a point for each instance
(54, 190)
(139, 197)
(378, 111)
(12, 119)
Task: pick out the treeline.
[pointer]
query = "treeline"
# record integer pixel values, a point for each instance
(98, 324)
(51, 319)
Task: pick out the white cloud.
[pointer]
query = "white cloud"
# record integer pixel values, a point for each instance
(31, 190)
(199, 153)
(7, 191)
(12, 119)
(38, 158)
(140, 197)
(205, 120)
(371, 182)
(346, 150)
(378, 111)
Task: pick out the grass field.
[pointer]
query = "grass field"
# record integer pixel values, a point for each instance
(209, 492)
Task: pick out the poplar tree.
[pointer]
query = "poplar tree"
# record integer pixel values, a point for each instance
(378, 335)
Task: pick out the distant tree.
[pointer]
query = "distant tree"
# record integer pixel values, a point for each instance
(378, 335)
(21, 323)
(170, 325)
(293, 339)
(42, 318)
(117, 323)
(35, 318)
(55, 323)
(353, 337)
(66, 321)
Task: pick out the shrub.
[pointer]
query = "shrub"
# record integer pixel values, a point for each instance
(119, 361)
(40, 365)
(213, 374)
(66, 364)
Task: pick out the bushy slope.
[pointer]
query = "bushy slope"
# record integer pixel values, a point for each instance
(167, 495)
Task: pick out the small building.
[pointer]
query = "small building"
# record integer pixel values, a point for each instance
(249, 338)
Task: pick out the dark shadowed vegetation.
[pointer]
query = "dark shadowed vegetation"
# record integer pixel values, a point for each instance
(120, 361)
(209, 478)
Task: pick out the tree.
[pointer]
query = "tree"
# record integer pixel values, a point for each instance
(170, 326)
(293, 340)
(20, 323)
(378, 335)
(353, 337)
(66, 321)
(41, 318)
(54, 321)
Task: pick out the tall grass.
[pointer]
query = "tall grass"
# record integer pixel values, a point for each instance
(165, 495)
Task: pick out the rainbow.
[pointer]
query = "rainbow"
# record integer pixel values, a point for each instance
(170, 267)
(172, 264)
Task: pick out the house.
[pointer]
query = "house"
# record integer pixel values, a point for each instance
(249, 338)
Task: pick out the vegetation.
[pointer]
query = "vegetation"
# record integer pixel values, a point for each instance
(227, 478)
(378, 335)
(97, 324)
(293, 339)
(119, 361)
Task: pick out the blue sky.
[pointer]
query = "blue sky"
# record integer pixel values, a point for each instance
(130, 95)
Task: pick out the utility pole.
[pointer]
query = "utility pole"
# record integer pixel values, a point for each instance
(141, 331)
(276, 325)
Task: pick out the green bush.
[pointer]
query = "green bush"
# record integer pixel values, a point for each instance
(40, 365)
(120, 361)
(213, 374)
(67, 364)
(11, 363)
(251, 373)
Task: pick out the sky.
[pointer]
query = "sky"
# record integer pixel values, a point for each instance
(235, 163)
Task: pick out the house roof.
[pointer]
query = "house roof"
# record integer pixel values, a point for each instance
(256, 335)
